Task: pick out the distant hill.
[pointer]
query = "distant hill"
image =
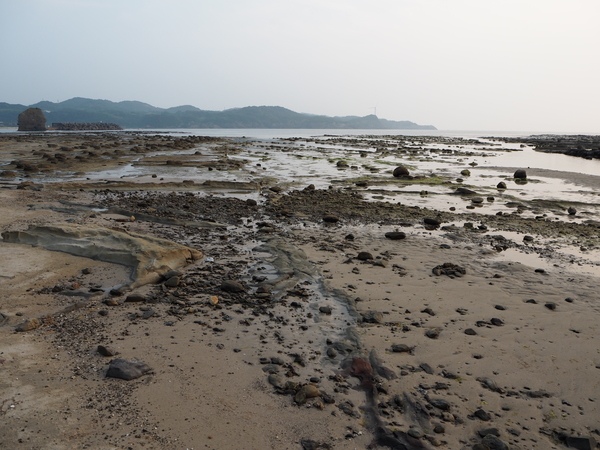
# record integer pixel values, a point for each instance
(133, 114)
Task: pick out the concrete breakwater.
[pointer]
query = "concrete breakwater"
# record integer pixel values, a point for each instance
(93, 126)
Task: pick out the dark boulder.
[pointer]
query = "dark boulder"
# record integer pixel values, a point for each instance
(521, 174)
(401, 171)
(32, 119)
(364, 256)
(127, 370)
(395, 235)
(464, 191)
(439, 403)
(431, 222)
(494, 443)
(401, 348)
(581, 443)
(232, 286)
(482, 415)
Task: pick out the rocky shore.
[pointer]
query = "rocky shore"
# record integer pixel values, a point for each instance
(581, 146)
(165, 314)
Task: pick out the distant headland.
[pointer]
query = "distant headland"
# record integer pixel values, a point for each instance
(134, 114)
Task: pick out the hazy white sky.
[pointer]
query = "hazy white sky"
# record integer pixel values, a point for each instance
(514, 65)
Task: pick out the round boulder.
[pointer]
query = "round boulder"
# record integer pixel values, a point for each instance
(520, 174)
(401, 171)
(364, 256)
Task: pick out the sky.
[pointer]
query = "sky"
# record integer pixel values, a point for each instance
(503, 65)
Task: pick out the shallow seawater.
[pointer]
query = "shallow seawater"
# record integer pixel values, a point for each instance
(343, 161)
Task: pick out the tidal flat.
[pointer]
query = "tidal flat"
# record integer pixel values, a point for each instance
(295, 294)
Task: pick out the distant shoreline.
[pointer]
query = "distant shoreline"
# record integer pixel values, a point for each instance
(134, 114)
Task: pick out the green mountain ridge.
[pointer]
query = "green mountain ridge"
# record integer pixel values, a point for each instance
(135, 114)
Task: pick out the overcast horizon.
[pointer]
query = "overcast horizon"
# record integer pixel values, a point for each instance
(461, 65)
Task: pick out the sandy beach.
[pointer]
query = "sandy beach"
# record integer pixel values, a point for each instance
(279, 315)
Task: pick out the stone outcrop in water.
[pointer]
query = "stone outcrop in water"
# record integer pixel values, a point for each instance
(32, 119)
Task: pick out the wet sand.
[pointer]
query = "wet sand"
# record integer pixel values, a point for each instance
(322, 345)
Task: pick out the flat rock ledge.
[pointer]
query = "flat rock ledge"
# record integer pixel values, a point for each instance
(150, 257)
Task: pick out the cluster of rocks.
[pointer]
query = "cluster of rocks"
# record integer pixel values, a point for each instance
(450, 269)
(183, 206)
(581, 146)
(73, 152)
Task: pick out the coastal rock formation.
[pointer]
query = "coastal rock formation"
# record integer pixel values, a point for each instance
(581, 146)
(32, 119)
(150, 257)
